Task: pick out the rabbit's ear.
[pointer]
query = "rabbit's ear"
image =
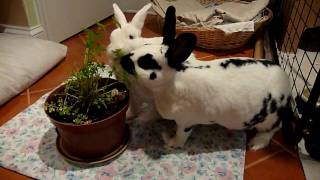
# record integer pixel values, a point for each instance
(169, 27)
(140, 16)
(118, 14)
(181, 50)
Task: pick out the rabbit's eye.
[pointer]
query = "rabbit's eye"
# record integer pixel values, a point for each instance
(131, 37)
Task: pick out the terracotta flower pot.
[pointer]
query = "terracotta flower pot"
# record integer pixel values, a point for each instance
(90, 142)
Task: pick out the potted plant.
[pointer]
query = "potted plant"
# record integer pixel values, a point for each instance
(88, 110)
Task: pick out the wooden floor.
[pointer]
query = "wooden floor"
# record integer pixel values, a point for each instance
(277, 161)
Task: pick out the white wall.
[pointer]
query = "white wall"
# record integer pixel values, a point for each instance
(131, 5)
(61, 19)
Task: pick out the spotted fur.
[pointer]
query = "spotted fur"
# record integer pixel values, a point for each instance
(187, 129)
(250, 97)
(260, 116)
(147, 62)
(246, 96)
(127, 64)
(153, 76)
(197, 67)
(243, 62)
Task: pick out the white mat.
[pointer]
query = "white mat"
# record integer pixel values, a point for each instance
(27, 146)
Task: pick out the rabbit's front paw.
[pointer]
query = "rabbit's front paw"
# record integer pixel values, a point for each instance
(258, 142)
(171, 143)
(130, 114)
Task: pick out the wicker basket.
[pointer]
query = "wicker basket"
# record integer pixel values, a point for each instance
(212, 38)
(205, 2)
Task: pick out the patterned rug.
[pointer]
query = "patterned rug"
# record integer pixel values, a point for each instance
(28, 146)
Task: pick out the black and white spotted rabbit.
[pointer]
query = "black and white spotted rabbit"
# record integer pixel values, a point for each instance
(237, 93)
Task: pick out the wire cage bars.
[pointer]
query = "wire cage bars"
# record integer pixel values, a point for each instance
(296, 32)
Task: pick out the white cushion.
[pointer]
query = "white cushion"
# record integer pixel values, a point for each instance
(241, 12)
(23, 60)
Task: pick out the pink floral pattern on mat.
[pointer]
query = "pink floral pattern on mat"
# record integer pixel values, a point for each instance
(27, 146)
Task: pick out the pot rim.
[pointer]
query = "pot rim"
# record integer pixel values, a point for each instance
(93, 123)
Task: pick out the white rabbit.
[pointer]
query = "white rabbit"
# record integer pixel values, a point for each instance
(128, 35)
(237, 93)
(124, 39)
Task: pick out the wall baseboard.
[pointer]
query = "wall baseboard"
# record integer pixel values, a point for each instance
(35, 31)
(151, 12)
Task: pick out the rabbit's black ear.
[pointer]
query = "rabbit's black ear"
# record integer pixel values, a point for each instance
(181, 50)
(169, 27)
